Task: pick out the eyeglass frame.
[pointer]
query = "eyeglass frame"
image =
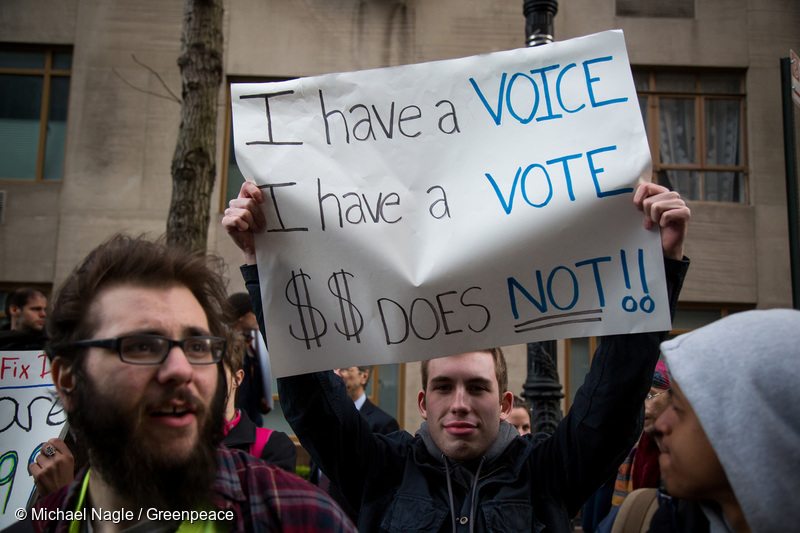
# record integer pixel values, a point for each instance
(115, 344)
(651, 396)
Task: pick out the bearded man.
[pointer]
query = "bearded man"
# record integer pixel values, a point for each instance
(137, 334)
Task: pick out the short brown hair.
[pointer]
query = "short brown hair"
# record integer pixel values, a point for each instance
(21, 297)
(124, 259)
(519, 401)
(500, 370)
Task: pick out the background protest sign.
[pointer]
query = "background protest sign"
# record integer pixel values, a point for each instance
(29, 415)
(430, 209)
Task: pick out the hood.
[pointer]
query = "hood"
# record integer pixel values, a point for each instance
(505, 437)
(741, 375)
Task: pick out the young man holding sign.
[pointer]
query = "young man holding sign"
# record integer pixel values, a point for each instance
(466, 468)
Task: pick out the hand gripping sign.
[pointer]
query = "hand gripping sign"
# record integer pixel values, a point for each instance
(429, 209)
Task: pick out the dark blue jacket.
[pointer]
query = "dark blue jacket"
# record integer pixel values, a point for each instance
(395, 482)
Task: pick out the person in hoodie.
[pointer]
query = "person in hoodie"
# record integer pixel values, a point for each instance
(467, 468)
(731, 433)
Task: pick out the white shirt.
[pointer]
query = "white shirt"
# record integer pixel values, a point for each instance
(360, 401)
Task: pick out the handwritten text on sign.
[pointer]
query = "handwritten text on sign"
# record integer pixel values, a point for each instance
(29, 415)
(430, 209)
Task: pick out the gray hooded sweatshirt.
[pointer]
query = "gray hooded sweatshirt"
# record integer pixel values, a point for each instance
(741, 375)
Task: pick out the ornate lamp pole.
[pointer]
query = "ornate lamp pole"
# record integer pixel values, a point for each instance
(542, 388)
(539, 16)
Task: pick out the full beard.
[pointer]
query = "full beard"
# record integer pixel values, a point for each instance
(147, 477)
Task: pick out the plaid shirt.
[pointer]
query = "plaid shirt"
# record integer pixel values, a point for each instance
(262, 497)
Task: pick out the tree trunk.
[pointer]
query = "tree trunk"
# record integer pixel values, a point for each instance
(193, 164)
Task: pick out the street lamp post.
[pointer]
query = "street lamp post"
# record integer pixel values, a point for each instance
(539, 16)
(542, 388)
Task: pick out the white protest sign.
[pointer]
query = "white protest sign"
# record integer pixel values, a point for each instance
(29, 415)
(431, 209)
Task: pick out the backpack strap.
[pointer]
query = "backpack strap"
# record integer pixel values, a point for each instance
(262, 436)
(636, 512)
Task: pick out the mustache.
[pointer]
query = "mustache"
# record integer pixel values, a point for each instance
(182, 395)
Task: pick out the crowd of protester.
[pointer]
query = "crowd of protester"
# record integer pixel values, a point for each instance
(158, 371)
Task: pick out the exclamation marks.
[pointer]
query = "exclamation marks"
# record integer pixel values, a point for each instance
(629, 303)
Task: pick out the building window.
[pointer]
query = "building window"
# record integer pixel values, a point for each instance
(34, 91)
(232, 177)
(579, 352)
(695, 126)
(386, 389)
(655, 8)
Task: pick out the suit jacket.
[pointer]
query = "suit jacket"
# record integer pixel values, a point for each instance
(379, 420)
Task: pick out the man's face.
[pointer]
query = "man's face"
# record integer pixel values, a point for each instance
(659, 400)
(689, 466)
(520, 419)
(354, 379)
(32, 315)
(166, 403)
(151, 430)
(462, 404)
(246, 322)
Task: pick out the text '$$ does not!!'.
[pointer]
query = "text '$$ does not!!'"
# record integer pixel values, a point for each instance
(312, 323)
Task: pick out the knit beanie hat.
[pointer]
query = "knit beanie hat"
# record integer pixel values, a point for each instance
(741, 375)
(661, 376)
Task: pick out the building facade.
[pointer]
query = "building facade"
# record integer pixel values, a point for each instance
(88, 128)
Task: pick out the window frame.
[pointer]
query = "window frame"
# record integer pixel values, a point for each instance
(653, 95)
(723, 309)
(47, 73)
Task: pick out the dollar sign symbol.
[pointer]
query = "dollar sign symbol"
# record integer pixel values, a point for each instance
(308, 313)
(339, 287)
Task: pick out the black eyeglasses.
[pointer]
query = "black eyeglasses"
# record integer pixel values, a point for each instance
(153, 349)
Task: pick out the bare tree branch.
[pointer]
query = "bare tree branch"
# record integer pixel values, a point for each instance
(145, 91)
(159, 78)
(172, 96)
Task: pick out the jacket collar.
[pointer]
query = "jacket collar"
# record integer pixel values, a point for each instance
(243, 433)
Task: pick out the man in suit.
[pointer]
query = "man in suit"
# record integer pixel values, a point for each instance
(356, 379)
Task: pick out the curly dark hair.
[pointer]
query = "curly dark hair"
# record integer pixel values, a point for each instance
(124, 259)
